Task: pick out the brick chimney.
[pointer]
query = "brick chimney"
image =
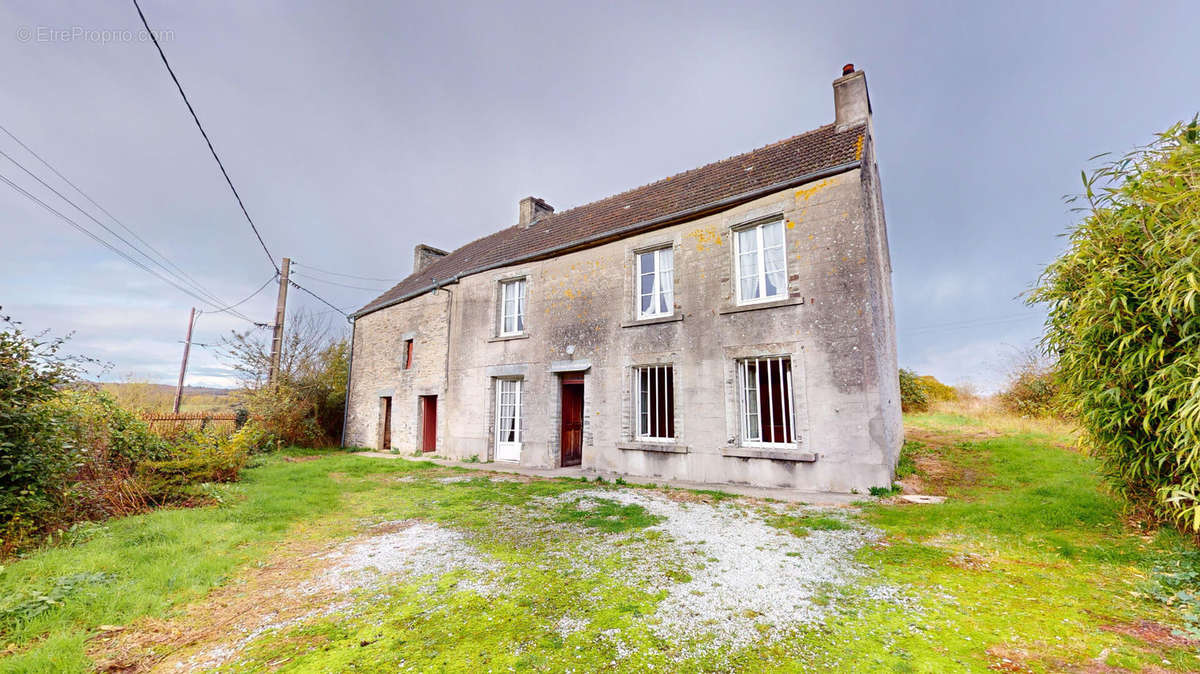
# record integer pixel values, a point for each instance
(851, 102)
(423, 256)
(532, 210)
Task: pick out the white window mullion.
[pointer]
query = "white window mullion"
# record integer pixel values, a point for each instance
(517, 412)
(654, 287)
(790, 428)
(658, 420)
(658, 279)
(762, 263)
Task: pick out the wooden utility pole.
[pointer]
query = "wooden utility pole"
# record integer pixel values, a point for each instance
(187, 347)
(280, 312)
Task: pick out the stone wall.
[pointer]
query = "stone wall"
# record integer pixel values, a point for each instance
(836, 325)
(378, 371)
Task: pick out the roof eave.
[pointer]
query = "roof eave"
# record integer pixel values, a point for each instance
(644, 225)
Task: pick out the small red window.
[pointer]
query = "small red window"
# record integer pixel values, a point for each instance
(408, 351)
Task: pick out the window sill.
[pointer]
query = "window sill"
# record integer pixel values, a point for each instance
(653, 321)
(766, 453)
(663, 447)
(508, 338)
(789, 302)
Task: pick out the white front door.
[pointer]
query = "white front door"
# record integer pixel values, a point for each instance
(508, 420)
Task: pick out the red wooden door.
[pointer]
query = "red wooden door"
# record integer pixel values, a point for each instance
(428, 423)
(572, 423)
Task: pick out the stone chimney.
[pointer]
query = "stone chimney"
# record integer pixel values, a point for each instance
(423, 256)
(532, 210)
(851, 102)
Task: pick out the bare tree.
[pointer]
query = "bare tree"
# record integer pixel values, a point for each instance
(306, 406)
(306, 337)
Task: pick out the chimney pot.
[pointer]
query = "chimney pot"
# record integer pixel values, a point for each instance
(847, 69)
(532, 210)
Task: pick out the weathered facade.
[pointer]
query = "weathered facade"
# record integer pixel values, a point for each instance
(731, 324)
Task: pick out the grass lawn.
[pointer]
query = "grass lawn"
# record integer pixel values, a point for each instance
(1028, 566)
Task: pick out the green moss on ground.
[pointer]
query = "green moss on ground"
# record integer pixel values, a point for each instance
(1027, 565)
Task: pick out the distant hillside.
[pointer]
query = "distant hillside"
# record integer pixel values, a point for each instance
(159, 397)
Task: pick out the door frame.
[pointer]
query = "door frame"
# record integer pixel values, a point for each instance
(509, 452)
(564, 380)
(423, 402)
(385, 423)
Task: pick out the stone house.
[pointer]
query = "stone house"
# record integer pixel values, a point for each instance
(729, 324)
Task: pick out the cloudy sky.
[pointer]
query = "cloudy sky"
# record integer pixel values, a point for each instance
(355, 130)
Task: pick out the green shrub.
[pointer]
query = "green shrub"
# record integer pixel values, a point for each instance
(1032, 392)
(35, 455)
(914, 397)
(74, 454)
(286, 415)
(253, 438)
(96, 423)
(200, 460)
(1124, 322)
(936, 390)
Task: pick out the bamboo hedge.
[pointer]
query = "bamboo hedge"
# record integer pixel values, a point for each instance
(1124, 322)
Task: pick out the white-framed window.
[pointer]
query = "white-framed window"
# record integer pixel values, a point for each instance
(512, 307)
(654, 402)
(655, 283)
(761, 262)
(766, 401)
(508, 419)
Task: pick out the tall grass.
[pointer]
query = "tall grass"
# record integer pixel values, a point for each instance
(986, 413)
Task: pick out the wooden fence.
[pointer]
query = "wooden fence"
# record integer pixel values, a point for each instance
(161, 422)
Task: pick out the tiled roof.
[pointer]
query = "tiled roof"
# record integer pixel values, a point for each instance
(744, 174)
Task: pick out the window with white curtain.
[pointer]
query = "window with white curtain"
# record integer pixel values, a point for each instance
(761, 263)
(654, 401)
(766, 401)
(512, 307)
(655, 283)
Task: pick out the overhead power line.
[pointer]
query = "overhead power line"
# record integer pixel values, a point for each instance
(212, 299)
(200, 126)
(321, 299)
(181, 280)
(334, 273)
(343, 285)
(110, 246)
(104, 210)
(974, 323)
(246, 299)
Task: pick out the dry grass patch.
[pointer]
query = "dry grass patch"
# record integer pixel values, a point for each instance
(1152, 633)
(944, 461)
(263, 594)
